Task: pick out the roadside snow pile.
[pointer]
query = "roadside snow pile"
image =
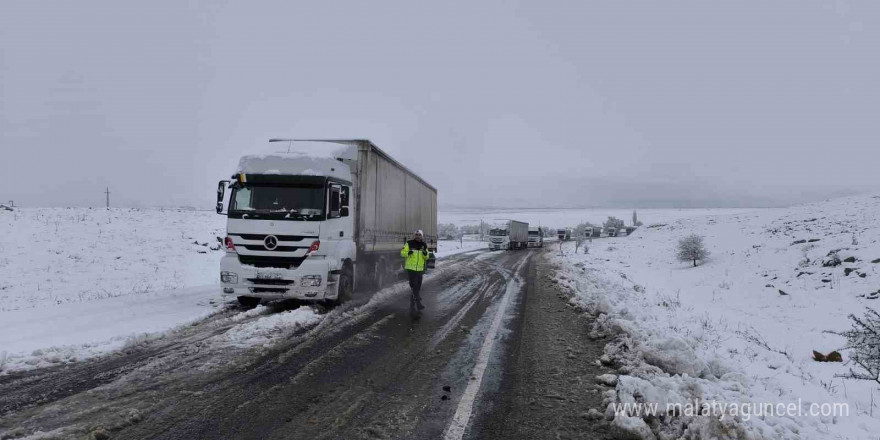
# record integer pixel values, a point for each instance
(735, 335)
(266, 330)
(36, 338)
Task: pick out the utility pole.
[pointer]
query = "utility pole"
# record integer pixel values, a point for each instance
(107, 192)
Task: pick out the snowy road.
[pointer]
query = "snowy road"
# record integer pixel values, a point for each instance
(496, 343)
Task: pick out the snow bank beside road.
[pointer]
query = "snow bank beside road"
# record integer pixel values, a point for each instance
(741, 327)
(265, 331)
(75, 283)
(75, 331)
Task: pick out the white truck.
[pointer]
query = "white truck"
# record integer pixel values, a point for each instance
(536, 237)
(317, 221)
(563, 234)
(510, 235)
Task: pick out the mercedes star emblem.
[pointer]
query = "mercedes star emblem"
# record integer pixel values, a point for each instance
(271, 242)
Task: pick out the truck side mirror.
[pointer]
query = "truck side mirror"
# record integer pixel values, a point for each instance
(221, 191)
(343, 212)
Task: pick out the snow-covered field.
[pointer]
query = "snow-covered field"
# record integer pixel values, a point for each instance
(58, 256)
(79, 282)
(446, 248)
(740, 328)
(555, 218)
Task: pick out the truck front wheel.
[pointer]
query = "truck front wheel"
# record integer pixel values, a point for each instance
(346, 285)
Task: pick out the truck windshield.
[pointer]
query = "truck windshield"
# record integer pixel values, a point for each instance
(278, 202)
(534, 233)
(498, 232)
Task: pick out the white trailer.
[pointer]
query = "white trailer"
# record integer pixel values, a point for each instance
(319, 220)
(510, 234)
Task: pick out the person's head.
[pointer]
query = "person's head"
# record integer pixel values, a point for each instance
(418, 235)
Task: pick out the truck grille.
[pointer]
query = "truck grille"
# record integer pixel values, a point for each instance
(268, 282)
(267, 290)
(279, 262)
(262, 237)
(253, 247)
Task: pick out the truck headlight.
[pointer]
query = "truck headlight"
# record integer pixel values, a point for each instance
(228, 277)
(310, 281)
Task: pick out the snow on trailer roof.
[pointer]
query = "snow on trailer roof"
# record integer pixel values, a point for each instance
(303, 159)
(318, 148)
(323, 154)
(367, 145)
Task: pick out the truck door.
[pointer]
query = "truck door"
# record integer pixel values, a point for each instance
(336, 234)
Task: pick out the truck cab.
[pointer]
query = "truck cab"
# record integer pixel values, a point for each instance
(288, 234)
(563, 234)
(536, 238)
(499, 238)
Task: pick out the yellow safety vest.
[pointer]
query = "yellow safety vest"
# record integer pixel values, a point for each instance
(417, 260)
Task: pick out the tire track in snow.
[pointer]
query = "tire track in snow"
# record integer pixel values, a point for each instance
(458, 425)
(444, 331)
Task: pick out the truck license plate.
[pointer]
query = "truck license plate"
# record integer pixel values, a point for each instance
(268, 276)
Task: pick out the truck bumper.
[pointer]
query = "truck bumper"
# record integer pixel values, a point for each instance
(278, 283)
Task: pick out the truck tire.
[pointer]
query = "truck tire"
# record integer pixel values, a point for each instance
(248, 302)
(346, 286)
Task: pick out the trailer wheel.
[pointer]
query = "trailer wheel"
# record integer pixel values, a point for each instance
(248, 302)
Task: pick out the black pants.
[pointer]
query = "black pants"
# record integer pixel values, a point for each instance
(415, 283)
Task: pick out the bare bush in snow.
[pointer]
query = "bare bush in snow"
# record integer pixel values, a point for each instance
(691, 248)
(864, 341)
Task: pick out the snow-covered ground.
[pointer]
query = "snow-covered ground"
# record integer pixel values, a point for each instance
(741, 327)
(57, 256)
(446, 248)
(34, 338)
(572, 217)
(79, 282)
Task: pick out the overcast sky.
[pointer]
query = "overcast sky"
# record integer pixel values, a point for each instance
(583, 103)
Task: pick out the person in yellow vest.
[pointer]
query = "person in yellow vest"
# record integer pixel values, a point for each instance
(415, 252)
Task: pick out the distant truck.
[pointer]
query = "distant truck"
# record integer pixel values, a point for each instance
(509, 235)
(611, 232)
(536, 237)
(591, 232)
(318, 221)
(563, 234)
